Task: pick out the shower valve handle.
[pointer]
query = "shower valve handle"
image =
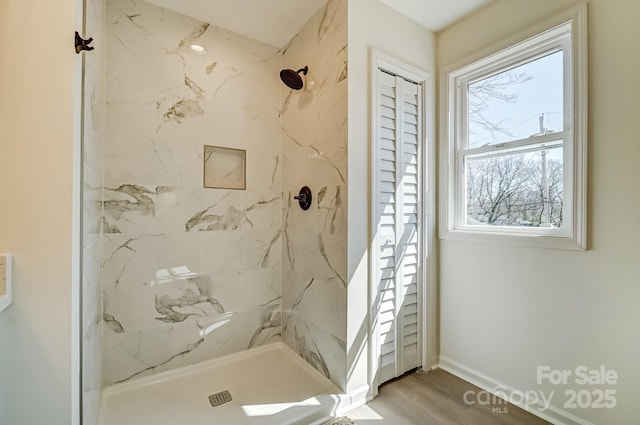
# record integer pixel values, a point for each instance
(304, 198)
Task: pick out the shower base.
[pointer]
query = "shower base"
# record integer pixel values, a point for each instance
(268, 385)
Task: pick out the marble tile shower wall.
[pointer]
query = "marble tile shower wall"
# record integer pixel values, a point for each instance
(314, 132)
(189, 273)
(92, 162)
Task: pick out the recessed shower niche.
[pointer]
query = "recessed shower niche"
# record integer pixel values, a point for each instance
(225, 168)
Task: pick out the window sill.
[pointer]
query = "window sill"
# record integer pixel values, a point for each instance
(514, 239)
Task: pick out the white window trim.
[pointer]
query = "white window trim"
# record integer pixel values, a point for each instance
(575, 146)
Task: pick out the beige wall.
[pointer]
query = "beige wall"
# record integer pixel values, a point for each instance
(372, 25)
(37, 71)
(506, 310)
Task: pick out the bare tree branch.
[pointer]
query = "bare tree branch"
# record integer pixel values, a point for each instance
(495, 89)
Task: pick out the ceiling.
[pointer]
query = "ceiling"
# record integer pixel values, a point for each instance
(275, 22)
(436, 14)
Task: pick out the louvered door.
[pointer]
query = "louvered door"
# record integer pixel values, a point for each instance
(397, 232)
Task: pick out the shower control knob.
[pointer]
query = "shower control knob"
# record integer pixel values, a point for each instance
(304, 198)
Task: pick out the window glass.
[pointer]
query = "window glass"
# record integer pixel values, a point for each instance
(517, 103)
(516, 189)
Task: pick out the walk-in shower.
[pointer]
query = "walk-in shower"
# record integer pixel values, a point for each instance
(209, 291)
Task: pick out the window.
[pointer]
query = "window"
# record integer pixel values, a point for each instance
(517, 142)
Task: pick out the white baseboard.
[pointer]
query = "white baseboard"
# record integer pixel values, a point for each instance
(354, 399)
(342, 404)
(553, 414)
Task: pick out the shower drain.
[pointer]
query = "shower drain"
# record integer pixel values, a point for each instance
(220, 398)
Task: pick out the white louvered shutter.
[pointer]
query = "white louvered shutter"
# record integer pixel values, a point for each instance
(397, 242)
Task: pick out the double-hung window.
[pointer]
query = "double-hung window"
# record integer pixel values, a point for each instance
(516, 142)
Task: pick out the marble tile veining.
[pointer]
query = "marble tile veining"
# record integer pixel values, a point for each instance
(93, 148)
(270, 323)
(314, 139)
(190, 273)
(196, 296)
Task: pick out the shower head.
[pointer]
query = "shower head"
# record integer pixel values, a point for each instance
(292, 78)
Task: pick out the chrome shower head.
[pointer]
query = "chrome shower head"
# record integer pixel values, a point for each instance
(292, 78)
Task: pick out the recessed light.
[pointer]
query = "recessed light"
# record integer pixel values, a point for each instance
(197, 48)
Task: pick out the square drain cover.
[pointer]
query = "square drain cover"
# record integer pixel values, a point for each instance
(220, 398)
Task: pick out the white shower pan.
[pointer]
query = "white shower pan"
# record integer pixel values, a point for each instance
(269, 385)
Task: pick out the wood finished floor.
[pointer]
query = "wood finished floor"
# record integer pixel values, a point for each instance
(435, 398)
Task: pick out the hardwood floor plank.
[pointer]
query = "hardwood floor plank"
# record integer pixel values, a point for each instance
(436, 398)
